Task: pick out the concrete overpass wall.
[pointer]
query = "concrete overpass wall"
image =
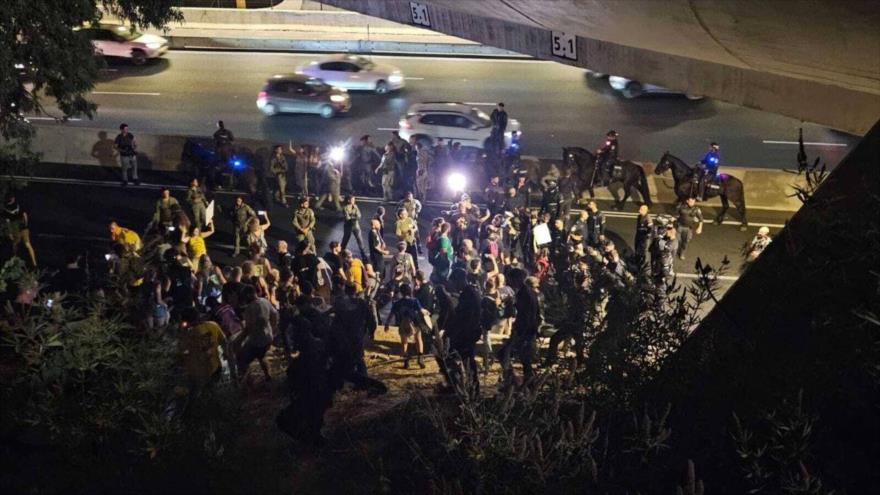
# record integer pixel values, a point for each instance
(818, 61)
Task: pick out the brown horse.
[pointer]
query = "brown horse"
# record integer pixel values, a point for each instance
(631, 175)
(730, 189)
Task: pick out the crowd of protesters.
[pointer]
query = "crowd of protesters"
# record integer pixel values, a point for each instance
(485, 268)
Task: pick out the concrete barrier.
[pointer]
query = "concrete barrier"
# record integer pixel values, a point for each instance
(274, 16)
(336, 46)
(765, 189)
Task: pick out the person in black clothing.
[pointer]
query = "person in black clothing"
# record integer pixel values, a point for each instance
(595, 225)
(459, 310)
(550, 196)
(283, 257)
(351, 315)
(126, 145)
(72, 279)
(499, 126)
(606, 157)
(525, 327)
(333, 257)
(689, 221)
(305, 265)
(644, 233)
(223, 139)
(308, 380)
(568, 193)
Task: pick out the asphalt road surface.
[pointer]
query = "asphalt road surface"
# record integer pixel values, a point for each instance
(73, 217)
(188, 91)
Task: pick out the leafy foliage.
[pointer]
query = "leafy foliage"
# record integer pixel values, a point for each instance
(42, 56)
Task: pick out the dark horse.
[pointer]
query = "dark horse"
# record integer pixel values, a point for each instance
(631, 175)
(730, 189)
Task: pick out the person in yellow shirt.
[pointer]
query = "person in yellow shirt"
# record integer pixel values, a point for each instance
(198, 344)
(126, 237)
(354, 271)
(195, 246)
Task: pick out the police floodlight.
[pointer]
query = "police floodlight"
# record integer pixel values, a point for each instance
(456, 182)
(337, 154)
(237, 163)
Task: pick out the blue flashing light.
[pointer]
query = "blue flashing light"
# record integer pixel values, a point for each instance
(237, 163)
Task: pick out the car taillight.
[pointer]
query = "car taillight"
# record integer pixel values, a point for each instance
(262, 95)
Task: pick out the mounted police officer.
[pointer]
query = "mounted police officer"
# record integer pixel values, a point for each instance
(708, 168)
(606, 157)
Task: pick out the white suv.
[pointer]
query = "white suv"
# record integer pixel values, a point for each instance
(117, 40)
(468, 125)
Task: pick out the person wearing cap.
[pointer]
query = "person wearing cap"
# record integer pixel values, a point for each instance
(663, 252)
(757, 245)
(606, 157)
(708, 167)
(304, 222)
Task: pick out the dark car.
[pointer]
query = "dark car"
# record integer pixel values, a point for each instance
(296, 93)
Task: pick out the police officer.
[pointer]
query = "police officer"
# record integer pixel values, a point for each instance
(414, 208)
(304, 223)
(223, 139)
(595, 224)
(494, 194)
(278, 167)
(388, 168)
(241, 216)
(709, 167)
(198, 203)
(126, 145)
(644, 233)
(550, 196)
(568, 193)
(351, 215)
(606, 157)
(663, 251)
(334, 188)
(690, 221)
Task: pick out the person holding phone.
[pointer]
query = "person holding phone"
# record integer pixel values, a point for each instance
(257, 232)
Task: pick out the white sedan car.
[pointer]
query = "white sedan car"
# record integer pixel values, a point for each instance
(354, 72)
(459, 122)
(117, 40)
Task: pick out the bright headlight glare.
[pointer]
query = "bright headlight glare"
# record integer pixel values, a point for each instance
(153, 45)
(337, 98)
(456, 182)
(337, 154)
(395, 78)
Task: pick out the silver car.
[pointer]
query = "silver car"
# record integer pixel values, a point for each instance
(633, 89)
(354, 72)
(296, 93)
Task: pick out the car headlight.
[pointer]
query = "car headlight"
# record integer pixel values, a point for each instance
(395, 78)
(338, 98)
(154, 45)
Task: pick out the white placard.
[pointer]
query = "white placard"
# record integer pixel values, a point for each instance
(563, 45)
(209, 213)
(542, 234)
(420, 14)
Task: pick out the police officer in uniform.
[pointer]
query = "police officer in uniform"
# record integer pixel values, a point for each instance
(304, 223)
(198, 203)
(709, 168)
(567, 195)
(241, 215)
(606, 157)
(351, 215)
(644, 234)
(663, 251)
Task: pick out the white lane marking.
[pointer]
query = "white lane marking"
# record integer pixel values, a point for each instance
(387, 129)
(73, 119)
(126, 93)
(479, 103)
(839, 145)
(414, 78)
(727, 278)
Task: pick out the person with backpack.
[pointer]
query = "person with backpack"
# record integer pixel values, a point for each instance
(407, 312)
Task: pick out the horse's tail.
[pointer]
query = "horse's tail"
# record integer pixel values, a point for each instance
(644, 190)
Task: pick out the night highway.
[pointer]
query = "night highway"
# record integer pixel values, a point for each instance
(187, 91)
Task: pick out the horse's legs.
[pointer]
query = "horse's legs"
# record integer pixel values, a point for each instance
(627, 186)
(617, 201)
(724, 207)
(741, 209)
